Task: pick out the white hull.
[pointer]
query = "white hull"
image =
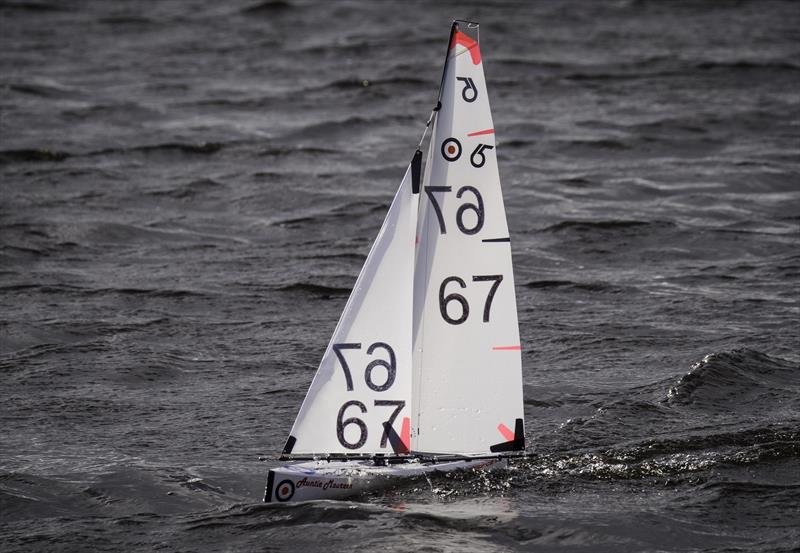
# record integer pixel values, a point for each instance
(340, 479)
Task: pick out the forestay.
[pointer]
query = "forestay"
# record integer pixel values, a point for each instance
(364, 378)
(467, 366)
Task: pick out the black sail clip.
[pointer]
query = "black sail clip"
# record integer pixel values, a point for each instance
(517, 444)
(416, 171)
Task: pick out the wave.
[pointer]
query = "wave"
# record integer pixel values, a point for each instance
(739, 65)
(189, 190)
(39, 7)
(26, 496)
(267, 7)
(182, 147)
(599, 143)
(315, 289)
(667, 66)
(136, 20)
(349, 256)
(27, 250)
(592, 226)
(577, 182)
(347, 210)
(528, 62)
(65, 289)
(736, 407)
(148, 292)
(589, 286)
(347, 126)
(44, 88)
(32, 154)
(280, 151)
(264, 516)
(47, 155)
(355, 46)
(738, 376)
(678, 457)
(348, 84)
(322, 91)
(517, 143)
(774, 439)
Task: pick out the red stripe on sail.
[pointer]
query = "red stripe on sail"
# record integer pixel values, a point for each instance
(469, 44)
(506, 432)
(478, 133)
(507, 348)
(405, 433)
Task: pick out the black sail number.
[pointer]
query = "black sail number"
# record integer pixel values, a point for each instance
(398, 406)
(496, 280)
(453, 297)
(341, 424)
(389, 364)
(429, 191)
(337, 349)
(363, 433)
(470, 91)
(477, 158)
(476, 208)
(446, 300)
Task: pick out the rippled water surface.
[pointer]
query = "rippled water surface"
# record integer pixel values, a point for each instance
(188, 190)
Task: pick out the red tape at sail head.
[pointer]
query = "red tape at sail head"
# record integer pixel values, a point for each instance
(469, 44)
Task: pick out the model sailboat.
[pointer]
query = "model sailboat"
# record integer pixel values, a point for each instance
(423, 371)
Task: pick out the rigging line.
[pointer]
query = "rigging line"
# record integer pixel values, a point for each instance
(427, 126)
(425, 233)
(424, 256)
(453, 31)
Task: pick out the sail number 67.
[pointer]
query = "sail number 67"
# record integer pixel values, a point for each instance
(342, 423)
(446, 300)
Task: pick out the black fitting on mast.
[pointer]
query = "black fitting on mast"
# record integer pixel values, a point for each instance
(416, 171)
(416, 161)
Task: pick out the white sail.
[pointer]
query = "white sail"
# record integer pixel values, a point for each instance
(364, 378)
(467, 361)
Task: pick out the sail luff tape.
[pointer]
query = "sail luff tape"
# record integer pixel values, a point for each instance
(425, 131)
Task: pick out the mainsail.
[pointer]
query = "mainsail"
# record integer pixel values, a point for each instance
(360, 399)
(467, 396)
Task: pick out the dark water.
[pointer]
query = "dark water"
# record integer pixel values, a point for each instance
(189, 190)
